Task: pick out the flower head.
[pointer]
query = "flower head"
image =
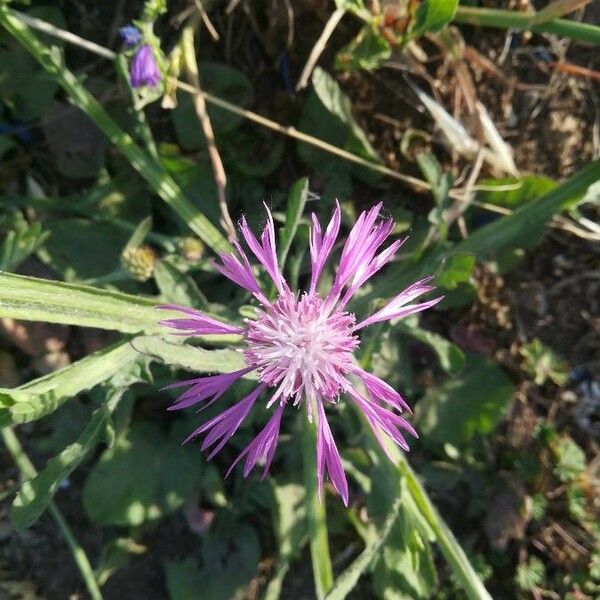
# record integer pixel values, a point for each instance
(130, 35)
(301, 346)
(144, 70)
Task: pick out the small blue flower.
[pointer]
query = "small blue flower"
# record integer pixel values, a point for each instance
(130, 35)
(144, 70)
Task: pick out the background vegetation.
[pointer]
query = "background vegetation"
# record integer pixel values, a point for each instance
(477, 124)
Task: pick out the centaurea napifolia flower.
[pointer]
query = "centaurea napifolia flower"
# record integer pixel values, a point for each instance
(301, 346)
(143, 70)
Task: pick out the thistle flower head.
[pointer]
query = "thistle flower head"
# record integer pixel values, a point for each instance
(138, 262)
(301, 345)
(143, 70)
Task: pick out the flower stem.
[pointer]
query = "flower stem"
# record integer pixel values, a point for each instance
(451, 549)
(28, 471)
(510, 19)
(315, 513)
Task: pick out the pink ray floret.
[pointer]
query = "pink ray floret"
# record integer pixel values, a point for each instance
(301, 346)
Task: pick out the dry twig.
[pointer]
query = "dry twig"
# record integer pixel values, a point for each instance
(191, 68)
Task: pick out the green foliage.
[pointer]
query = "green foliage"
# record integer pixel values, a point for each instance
(20, 240)
(471, 403)
(570, 459)
(530, 574)
(368, 51)
(142, 477)
(234, 557)
(35, 495)
(144, 474)
(433, 15)
(222, 81)
(327, 114)
(542, 364)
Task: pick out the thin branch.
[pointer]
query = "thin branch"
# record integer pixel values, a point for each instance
(67, 36)
(318, 48)
(191, 68)
(206, 20)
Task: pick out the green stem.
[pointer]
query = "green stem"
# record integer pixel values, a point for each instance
(162, 183)
(509, 19)
(451, 549)
(28, 471)
(142, 127)
(315, 513)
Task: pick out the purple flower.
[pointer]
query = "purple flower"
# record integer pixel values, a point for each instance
(301, 346)
(144, 70)
(130, 35)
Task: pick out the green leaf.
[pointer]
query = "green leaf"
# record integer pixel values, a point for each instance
(184, 579)
(295, 207)
(33, 299)
(190, 358)
(254, 153)
(570, 459)
(466, 405)
(115, 555)
(289, 520)
(368, 51)
(81, 249)
(26, 89)
(530, 575)
(346, 582)
(139, 233)
(158, 179)
(20, 241)
(327, 114)
(46, 394)
(289, 524)
(223, 81)
(457, 268)
(513, 192)
(543, 363)
(451, 357)
(142, 477)
(233, 557)
(433, 15)
(176, 287)
(35, 494)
